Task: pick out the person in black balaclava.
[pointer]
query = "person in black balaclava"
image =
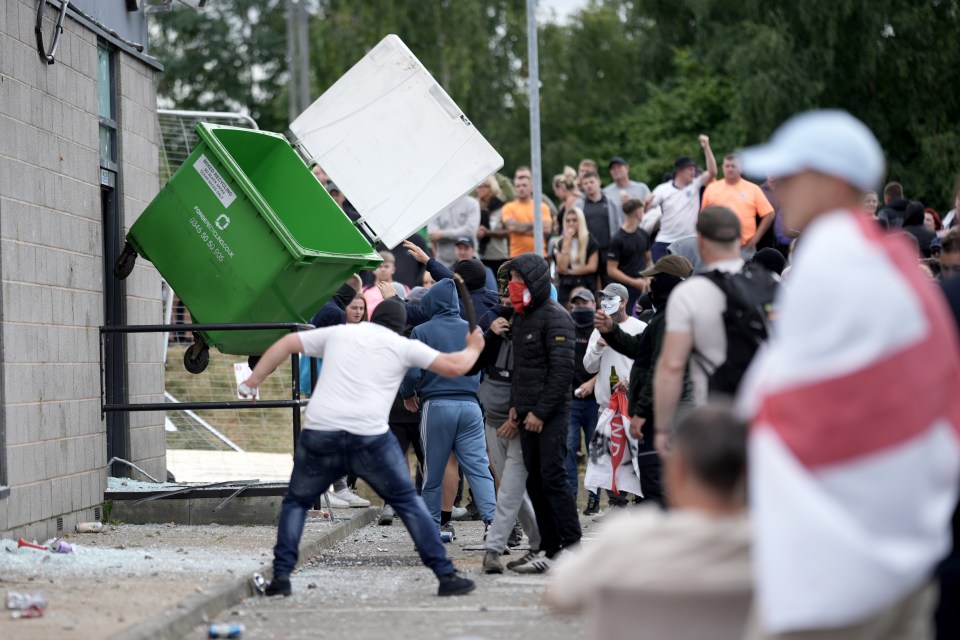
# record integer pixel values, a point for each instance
(583, 410)
(474, 276)
(666, 274)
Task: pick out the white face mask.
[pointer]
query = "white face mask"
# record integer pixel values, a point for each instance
(610, 305)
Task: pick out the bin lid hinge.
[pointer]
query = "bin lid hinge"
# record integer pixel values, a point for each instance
(297, 145)
(365, 229)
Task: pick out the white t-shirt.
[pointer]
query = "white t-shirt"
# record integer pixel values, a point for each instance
(696, 307)
(678, 209)
(363, 365)
(600, 360)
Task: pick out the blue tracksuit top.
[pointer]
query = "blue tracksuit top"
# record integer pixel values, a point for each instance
(446, 332)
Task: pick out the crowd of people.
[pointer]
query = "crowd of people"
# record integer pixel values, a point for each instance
(798, 305)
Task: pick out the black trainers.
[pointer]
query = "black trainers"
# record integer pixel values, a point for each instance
(593, 505)
(279, 586)
(516, 536)
(529, 556)
(473, 513)
(453, 584)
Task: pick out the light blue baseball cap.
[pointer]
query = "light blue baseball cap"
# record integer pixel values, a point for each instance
(829, 141)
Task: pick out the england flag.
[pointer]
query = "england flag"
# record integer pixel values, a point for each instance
(855, 438)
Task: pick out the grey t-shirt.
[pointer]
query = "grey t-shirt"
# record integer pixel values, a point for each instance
(636, 191)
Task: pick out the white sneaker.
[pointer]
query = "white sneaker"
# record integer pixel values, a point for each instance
(458, 512)
(352, 499)
(538, 563)
(335, 502)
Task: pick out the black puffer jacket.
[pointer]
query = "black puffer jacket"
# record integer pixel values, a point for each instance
(543, 346)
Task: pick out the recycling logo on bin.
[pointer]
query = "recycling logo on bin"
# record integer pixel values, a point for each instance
(222, 221)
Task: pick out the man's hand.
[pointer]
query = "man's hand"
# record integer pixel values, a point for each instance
(751, 243)
(500, 326)
(508, 430)
(482, 232)
(436, 236)
(416, 252)
(624, 197)
(475, 339)
(601, 343)
(411, 404)
(586, 388)
(602, 322)
(636, 424)
(387, 289)
(532, 423)
(661, 443)
(704, 141)
(247, 389)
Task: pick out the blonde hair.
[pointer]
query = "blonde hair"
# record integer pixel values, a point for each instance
(568, 181)
(494, 186)
(582, 234)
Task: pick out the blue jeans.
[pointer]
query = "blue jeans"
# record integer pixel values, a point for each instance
(456, 426)
(583, 416)
(323, 456)
(659, 250)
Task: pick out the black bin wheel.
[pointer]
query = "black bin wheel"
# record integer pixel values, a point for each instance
(252, 361)
(196, 357)
(125, 263)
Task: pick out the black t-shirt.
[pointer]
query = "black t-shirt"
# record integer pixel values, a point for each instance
(598, 220)
(585, 280)
(630, 251)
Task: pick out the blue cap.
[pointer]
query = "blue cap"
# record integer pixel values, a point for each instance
(828, 141)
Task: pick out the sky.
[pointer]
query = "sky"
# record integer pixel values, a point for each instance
(562, 7)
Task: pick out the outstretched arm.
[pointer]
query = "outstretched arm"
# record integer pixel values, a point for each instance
(452, 365)
(269, 361)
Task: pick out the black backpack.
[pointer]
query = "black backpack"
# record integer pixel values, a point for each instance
(746, 322)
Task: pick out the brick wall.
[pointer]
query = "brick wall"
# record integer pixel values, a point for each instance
(51, 273)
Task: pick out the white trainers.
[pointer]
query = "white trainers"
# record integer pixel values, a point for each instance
(335, 502)
(533, 563)
(458, 513)
(352, 499)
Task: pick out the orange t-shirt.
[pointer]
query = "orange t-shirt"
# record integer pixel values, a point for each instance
(522, 212)
(744, 198)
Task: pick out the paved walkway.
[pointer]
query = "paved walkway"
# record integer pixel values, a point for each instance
(372, 586)
(164, 581)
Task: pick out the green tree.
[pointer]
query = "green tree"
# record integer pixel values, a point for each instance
(229, 58)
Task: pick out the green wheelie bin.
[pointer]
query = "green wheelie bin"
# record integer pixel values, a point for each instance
(244, 233)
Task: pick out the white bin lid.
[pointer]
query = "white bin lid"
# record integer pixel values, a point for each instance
(394, 142)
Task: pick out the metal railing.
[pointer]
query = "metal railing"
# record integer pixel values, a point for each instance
(295, 402)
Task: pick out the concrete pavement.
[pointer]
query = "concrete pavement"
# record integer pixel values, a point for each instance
(372, 586)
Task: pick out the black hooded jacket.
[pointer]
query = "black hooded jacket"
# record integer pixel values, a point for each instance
(543, 346)
(334, 311)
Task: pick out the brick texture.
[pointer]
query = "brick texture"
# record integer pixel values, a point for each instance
(52, 272)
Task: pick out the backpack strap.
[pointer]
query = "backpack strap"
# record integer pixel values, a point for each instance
(719, 278)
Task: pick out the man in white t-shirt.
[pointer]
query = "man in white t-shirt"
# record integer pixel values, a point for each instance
(602, 360)
(346, 429)
(676, 204)
(694, 320)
